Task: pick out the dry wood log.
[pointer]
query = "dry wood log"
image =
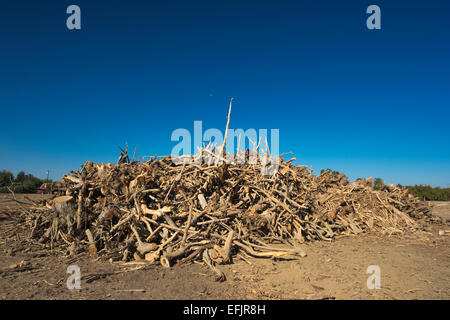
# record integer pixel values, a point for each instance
(64, 205)
(202, 200)
(92, 247)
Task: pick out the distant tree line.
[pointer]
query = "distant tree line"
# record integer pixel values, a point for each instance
(422, 192)
(22, 183)
(429, 193)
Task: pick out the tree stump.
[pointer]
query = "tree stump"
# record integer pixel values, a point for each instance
(66, 208)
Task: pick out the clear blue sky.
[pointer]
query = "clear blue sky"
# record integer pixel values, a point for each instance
(368, 103)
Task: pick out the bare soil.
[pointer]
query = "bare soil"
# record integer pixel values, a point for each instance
(411, 267)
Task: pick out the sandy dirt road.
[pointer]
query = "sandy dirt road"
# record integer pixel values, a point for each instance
(411, 268)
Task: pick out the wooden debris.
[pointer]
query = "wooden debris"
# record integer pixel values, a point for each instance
(162, 212)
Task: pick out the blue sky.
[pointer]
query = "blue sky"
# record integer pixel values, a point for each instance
(365, 102)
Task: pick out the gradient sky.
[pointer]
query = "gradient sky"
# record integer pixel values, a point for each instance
(365, 102)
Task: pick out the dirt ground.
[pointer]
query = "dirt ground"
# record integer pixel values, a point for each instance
(411, 268)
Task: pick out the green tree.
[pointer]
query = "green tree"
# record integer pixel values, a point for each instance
(378, 183)
(5, 178)
(20, 177)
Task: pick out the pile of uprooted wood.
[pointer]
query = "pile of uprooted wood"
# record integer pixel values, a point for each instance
(160, 212)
